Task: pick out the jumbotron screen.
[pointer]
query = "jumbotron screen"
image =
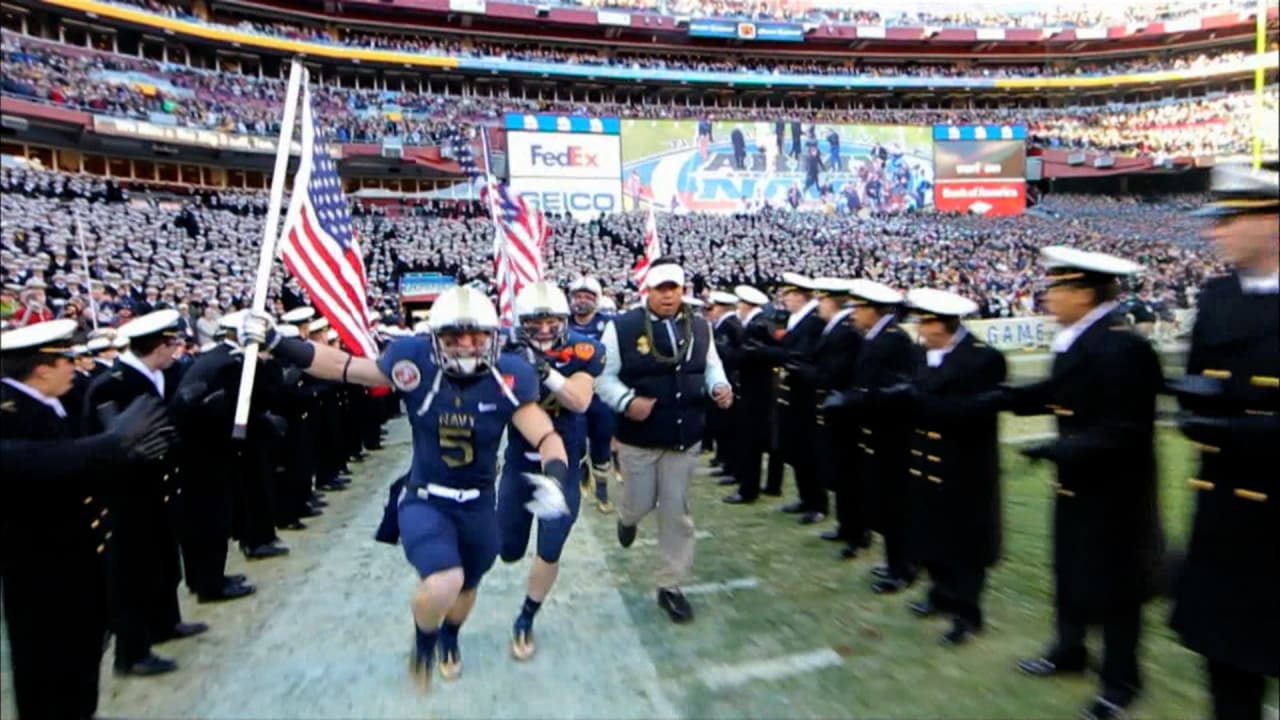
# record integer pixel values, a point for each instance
(980, 169)
(730, 166)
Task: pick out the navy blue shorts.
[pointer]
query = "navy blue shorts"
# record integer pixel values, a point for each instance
(513, 492)
(439, 534)
(600, 423)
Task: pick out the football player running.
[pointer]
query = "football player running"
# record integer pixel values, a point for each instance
(460, 392)
(567, 364)
(585, 295)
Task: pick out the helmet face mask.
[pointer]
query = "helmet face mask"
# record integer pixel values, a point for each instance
(464, 329)
(584, 303)
(542, 315)
(585, 292)
(544, 331)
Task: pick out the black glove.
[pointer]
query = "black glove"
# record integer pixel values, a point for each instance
(278, 425)
(1199, 394)
(898, 395)
(1036, 452)
(190, 393)
(142, 430)
(835, 399)
(1204, 429)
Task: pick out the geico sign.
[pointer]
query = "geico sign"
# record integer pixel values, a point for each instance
(560, 201)
(573, 156)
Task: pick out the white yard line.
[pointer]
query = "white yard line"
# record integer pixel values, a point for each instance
(652, 541)
(718, 677)
(745, 583)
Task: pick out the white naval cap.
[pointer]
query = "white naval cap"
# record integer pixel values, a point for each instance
(664, 273)
(80, 350)
(719, 297)
(52, 337)
(751, 296)
(287, 331)
(929, 302)
(98, 344)
(317, 325)
(1073, 264)
(208, 346)
(160, 322)
(796, 280)
(874, 292)
(233, 320)
(331, 335)
(1241, 189)
(120, 342)
(298, 315)
(692, 301)
(831, 286)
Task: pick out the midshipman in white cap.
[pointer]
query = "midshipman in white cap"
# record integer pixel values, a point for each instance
(1108, 542)
(56, 507)
(952, 403)
(1230, 398)
(887, 357)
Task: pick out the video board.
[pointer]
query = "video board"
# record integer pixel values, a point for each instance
(727, 166)
(980, 169)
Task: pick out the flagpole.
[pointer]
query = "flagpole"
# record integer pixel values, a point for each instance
(267, 253)
(88, 278)
(500, 264)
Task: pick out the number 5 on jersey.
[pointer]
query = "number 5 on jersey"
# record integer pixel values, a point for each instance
(456, 448)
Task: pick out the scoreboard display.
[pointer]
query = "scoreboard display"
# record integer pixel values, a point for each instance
(980, 169)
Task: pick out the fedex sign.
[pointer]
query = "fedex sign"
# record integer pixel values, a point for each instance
(570, 157)
(563, 156)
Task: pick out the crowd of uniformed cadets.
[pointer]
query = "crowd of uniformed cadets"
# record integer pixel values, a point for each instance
(893, 435)
(123, 481)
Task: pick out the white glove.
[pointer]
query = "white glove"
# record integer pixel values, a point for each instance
(259, 328)
(548, 501)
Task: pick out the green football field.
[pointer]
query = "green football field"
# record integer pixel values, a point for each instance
(786, 598)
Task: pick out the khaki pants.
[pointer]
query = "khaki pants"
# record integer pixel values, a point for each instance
(660, 478)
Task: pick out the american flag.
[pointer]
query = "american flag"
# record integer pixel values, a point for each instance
(318, 245)
(519, 243)
(652, 251)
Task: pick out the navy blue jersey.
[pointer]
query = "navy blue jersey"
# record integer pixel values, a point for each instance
(455, 442)
(593, 328)
(579, 354)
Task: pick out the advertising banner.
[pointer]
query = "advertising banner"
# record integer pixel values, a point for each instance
(531, 122)
(424, 284)
(728, 166)
(984, 177)
(584, 199)
(737, 30)
(1017, 333)
(563, 155)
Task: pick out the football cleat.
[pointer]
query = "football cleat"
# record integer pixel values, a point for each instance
(522, 647)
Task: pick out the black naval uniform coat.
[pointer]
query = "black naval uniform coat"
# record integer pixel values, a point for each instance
(144, 565)
(954, 469)
(832, 369)
(55, 530)
(1227, 596)
(798, 419)
(883, 441)
(1108, 549)
(753, 405)
(727, 335)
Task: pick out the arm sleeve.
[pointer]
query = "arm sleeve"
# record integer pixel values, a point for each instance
(395, 352)
(1131, 401)
(981, 401)
(526, 388)
(62, 460)
(609, 386)
(714, 374)
(594, 365)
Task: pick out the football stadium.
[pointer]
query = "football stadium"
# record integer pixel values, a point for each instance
(661, 358)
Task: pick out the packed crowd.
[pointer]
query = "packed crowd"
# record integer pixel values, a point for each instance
(231, 102)
(141, 247)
